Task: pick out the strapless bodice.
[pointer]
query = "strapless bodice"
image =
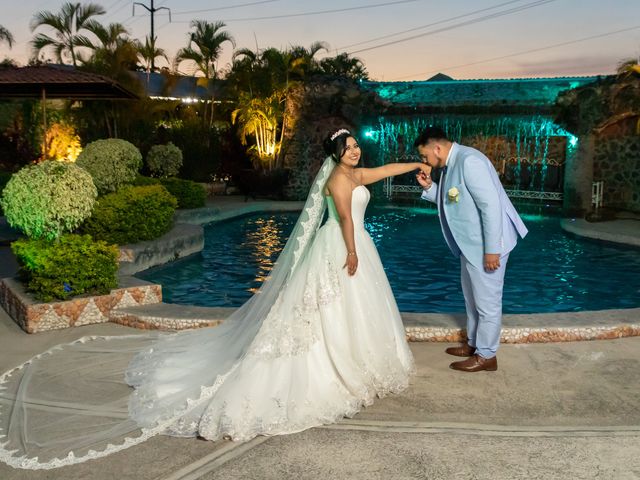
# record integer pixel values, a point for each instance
(359, 200)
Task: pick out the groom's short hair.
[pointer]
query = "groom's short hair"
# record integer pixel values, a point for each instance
(428, 134)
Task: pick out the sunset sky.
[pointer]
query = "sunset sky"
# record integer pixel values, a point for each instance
(462, 38)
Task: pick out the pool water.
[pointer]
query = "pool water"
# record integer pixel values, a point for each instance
(549, 271)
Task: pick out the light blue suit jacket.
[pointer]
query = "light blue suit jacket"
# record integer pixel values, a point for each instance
(480, 218)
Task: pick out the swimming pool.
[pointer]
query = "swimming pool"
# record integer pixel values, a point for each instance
(549, 271)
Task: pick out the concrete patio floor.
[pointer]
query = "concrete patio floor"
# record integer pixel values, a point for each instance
(551, 411)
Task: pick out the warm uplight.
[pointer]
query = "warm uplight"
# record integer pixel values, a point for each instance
(63, 144)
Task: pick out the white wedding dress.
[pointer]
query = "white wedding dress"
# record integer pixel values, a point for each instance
(325, 346)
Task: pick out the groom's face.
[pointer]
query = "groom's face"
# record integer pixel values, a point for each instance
(432, 154)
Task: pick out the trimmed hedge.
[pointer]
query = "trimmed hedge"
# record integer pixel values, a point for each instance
(71, 266)
(164, 160)
(131, 215)
(189, 194)
(4, 179)
(48, 199)
(112, 163)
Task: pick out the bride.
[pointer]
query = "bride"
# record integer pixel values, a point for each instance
(321, 339)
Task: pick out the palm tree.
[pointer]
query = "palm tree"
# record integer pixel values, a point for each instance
(5, 36)
(109, 36)
(68, 24)
(344, 66)
(629, 67)
(204, 47)
(116, 54)
(306, 57)
(258, 117)
(245, 63)
(148, 52)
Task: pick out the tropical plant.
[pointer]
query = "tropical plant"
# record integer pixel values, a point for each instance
(132, 214)
(164, 160)
(73, 265)
(112, 163)
(69, 26)
(269, 74)
(62, 141)
(48, 199)
(115, 54)
(258, 117)
(5, 36)
(305, 57)
(246, 64)
(343, 65)
(629, 67)
(204, 49)
(148, 52)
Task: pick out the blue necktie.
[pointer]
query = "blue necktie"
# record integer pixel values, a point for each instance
(441, 186)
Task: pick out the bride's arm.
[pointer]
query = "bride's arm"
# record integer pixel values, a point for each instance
(372, 175)
(340, 189)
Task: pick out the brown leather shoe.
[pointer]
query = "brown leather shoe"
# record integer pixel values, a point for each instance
(476, 364)
(464, 350)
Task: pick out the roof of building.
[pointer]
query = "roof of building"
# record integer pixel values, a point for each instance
(177, 86)
(440, 92)
(58, 81)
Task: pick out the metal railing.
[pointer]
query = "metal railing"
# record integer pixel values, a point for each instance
(390, 189)
(597, 194)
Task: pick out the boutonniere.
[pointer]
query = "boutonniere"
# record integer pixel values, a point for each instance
(453, 194)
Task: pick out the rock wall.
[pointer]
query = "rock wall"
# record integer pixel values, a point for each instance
(617, 164)
(313, 111)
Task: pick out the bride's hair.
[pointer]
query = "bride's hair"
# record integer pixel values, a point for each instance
(336, 143)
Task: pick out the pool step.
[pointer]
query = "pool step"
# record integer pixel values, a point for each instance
(419, 327)
(168, 316)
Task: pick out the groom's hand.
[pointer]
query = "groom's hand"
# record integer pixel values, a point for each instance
(491, 261)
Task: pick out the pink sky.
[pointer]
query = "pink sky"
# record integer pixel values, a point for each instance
(544, 38)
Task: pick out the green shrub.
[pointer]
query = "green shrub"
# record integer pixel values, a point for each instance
(142, 181)
(112, 163)
(189, 194)
(131, 215)
(164, 160)
(4, 179)
(48, 199)
(72, 265)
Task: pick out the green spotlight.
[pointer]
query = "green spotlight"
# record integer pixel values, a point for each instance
(371, 134)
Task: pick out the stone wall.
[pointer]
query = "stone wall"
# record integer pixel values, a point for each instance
(33, 316)
(617, 164)
(313, 111)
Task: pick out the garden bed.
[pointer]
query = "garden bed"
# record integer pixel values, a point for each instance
(33, 316)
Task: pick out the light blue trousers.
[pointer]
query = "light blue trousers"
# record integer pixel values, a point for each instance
(483, 300)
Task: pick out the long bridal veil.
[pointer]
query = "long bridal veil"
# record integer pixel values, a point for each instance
(74, 402)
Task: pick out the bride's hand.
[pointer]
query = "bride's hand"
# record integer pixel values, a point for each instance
(424, 180)
(426, 169)
(351, 264)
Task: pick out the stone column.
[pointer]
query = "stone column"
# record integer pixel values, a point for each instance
(578, 176)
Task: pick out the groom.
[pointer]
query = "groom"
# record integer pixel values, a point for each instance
(481, 227)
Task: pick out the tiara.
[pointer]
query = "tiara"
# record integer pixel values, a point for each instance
(338, 133)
